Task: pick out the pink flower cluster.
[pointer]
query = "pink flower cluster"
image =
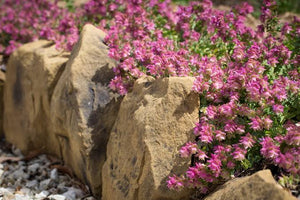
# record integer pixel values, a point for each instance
(244, 86)
(134, 39)
(24, 21)
(246, 97)
(288, 158)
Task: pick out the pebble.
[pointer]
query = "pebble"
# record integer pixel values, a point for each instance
(57, 197)
(32, 184)
(34, 179)
(72, 193)
(42, 195)
(54, 174)
(45, 184)
(33, 168)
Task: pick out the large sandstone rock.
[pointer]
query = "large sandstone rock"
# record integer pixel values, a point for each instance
(260, 185)
(2, 80)
(84, 109)
(154, 121)
(32, 73)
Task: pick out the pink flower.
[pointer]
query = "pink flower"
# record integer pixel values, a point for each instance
(215, 165)
(293, 135)
(267, 123)
(189, 149)
(220, 135)
(277, 108)
(230, 126)
(238, 153)
(175, 182)
(226, 109)
(211, 111)
(269, 149)
(230, 165)
(201, 155)
(256, 123)
(247, 141)
(205, 133)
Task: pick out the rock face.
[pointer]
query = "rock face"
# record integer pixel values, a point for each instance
(154, 121)
(32, 73)
(61, 104)
(260, 185)
(2, 80)
(84, 109)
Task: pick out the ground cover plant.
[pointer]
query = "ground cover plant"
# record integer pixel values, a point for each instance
(247, 79)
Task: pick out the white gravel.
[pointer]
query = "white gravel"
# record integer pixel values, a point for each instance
(36, 179)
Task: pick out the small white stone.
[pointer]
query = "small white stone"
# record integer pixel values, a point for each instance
(44, 185)
(57, 197)
(54, 174)
(42, 195)
(89, 198)
(19, 173)
(21, 197)
(26, 191)
(62, 188)
(32, 184)
(33, 168)
(73, 193)
(1, 172)
(6, 191)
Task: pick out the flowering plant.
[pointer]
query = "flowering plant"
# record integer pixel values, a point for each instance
(248, 80)
(249, 101)
(23, 21)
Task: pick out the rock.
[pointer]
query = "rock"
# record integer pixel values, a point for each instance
(25, 191)
(7, 192)
(2, 80)
(288, 17)
(73, 194)
(33, 168)
(89, 198)
(21, 197)
(62, 188)
(57, 197)
(45, 184)
(260, 185)
(54, 174)
(42, 195)
(84, 109)
(32, 73)
(32, 184)
(19, 173)
(154, 121)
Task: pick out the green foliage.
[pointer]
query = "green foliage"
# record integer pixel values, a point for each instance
(288, 6)
(70, 5)
(289, 181)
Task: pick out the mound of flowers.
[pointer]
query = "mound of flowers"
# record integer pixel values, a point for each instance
(248, 80)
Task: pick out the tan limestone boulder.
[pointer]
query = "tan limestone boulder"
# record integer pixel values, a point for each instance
(2, 80)
(154, 121)
(260, 185)
(83, 108)
(32, 73)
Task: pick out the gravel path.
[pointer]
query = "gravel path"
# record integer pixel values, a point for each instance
(38, 177)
